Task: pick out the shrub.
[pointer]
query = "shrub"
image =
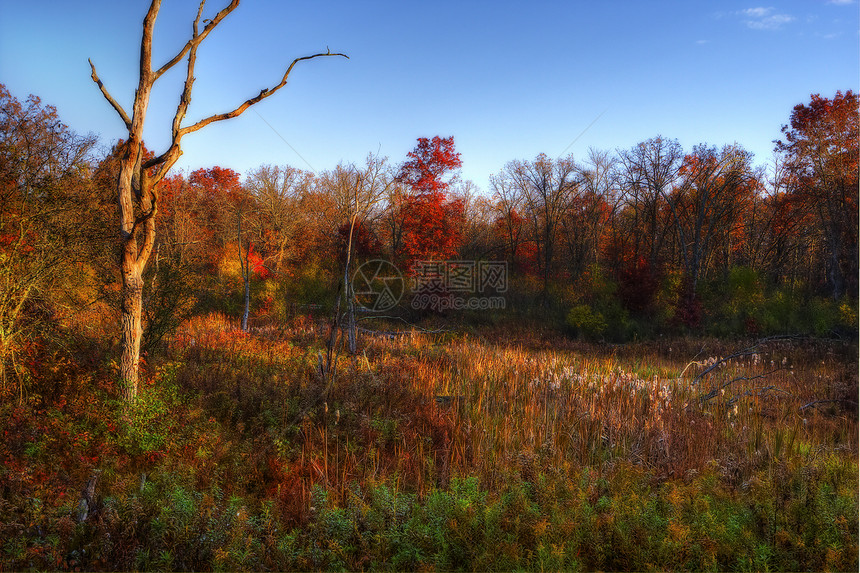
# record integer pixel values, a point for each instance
(150, 419)
(587, 322)
(310, 285)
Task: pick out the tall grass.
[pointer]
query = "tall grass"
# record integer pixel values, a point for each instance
(494, 451)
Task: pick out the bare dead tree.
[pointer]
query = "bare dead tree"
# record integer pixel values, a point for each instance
(137, 190)
(356, 192)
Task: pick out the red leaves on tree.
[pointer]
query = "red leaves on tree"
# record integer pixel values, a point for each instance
(428, 163)
(216, 180)
(827, 129)
(431, 224)
(821, 149)
(256, 263)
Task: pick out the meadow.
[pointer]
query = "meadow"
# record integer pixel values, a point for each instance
(623, 396)
(491, 448)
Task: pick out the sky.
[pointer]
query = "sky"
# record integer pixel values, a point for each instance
(508, 80)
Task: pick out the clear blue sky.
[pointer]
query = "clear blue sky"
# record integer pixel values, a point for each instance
(508, 80)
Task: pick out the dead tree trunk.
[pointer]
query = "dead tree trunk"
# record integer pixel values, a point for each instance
(350, 303)
(245, 265)
(137, 190)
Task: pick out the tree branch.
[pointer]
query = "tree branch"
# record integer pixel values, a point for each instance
(266, 92)
(741, 353)
(761, 392)
(122, 114)
(815, 403)
(717, 389)
(196, 39)
(185, 96)
(148, 234)
(146, 79)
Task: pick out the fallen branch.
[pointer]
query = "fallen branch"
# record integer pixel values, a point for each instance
(759, 393)
(834, 400)
(749, 351)
(693, 361)
(716, 390)
(412, 327)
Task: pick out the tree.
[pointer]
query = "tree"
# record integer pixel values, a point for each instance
(236, 212)
(648, 172)
(181, 254)
(508, 202)
(44, 174)
(546, 186)
(821, 151)
(707, 205)
(476, 234)
(356, 193)
(783, 230)
(431, 223)
(591, 208)
(136, 186)
(277, 192)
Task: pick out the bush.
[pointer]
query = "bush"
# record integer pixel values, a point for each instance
(311, 285)
(587, 322)
(151, 418)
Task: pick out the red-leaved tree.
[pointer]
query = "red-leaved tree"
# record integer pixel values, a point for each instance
(431, 223)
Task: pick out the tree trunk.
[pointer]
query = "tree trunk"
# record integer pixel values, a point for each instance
(835, 271)
(245, 265)
(247, 311)
(132, 329)
(350, 306)
(133, 184)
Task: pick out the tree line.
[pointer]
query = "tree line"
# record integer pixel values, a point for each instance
(617, 243)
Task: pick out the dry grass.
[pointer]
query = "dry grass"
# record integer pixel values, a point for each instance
(492, 451)
(425, 408)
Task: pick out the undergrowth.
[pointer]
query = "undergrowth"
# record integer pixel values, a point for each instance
(479, 452)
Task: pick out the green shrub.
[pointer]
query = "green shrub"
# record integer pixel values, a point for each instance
(822, 316)
(587, 322)
(150, 419)
(312, 285)
(848, 316)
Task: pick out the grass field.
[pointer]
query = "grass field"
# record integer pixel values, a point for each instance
(506, 448)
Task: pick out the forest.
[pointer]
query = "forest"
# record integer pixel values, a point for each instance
(641, 358)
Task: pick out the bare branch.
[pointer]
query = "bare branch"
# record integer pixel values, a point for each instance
(122, 114)
(146, 79)
(266, 92)
(185, 96)
(149, 235)
(164, 162)
(815, 403)
(717, 389)
(196, 39)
